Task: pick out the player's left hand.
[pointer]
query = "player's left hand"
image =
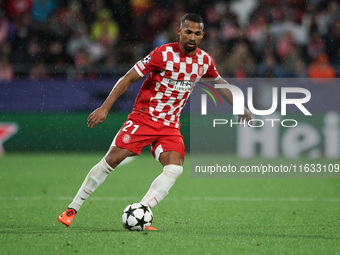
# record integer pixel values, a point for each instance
(246, 116)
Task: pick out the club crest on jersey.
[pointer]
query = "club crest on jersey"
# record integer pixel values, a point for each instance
(200, 71)
(146, 60)
(126, 138)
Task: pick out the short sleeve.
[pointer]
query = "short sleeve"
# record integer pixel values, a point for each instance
(150, 63)
(211, 72)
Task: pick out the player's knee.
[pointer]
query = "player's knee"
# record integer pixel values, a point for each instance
(112, 161)
(174, 170)
(106, 166)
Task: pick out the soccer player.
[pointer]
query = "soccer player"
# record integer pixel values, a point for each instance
(174, 70)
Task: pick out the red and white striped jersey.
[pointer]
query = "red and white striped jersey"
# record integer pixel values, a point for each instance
(173, 76)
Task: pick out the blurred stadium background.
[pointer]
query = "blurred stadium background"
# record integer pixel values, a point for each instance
(43, 40)
(60, 59)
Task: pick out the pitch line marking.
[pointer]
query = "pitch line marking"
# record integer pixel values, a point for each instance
(231, 199)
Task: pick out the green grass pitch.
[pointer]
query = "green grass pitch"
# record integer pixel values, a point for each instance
(199, 216)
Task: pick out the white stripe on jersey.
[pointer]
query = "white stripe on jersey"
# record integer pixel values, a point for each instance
(205, 67)
(141, 65)
(176, 57)
(169, 65)
(138, 71)
(201, 57)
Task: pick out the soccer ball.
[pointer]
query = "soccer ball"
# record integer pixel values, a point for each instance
(136, 216)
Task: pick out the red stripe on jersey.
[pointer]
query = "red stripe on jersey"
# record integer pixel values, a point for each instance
(188, 68)
(180, 76)
(162, 88)
(193, 77)
(169, 57)
(174, 94)
(167, 73)
(206, 59)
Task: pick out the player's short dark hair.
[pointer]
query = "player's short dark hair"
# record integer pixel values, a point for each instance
(192, 17)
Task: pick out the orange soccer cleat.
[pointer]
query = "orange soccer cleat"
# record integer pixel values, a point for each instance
(149, 228)
(67, 217)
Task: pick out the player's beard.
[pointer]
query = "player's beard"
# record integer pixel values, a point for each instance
(190, 48)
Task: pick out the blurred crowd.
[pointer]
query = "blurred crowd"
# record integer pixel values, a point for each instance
(85, 39)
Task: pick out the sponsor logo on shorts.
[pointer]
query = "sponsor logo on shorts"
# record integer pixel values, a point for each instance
(126, 138)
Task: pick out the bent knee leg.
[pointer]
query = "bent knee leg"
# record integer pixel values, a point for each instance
(173, 170)
(116, 155)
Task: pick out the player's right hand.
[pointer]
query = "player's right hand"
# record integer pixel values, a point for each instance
(96, 117)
